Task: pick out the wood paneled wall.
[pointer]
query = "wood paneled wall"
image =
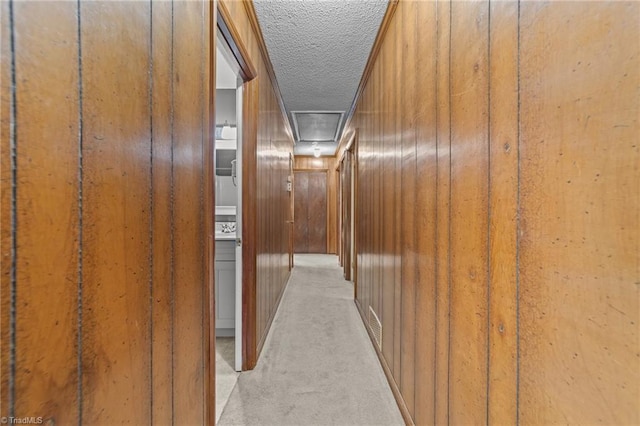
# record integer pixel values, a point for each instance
(497, 228)
(269, 173)
(105, 109)
(305, 162)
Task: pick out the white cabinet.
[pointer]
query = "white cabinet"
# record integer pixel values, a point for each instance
(225, 269)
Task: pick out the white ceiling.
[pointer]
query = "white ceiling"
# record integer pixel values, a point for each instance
(319, 49)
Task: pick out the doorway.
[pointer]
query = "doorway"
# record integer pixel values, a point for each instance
(346, 191)
(310, 212)
(228, 222)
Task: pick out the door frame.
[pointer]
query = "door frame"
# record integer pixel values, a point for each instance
(327, 228)
(228, 30)
(351, 149)
(354, 211)
(345, 214)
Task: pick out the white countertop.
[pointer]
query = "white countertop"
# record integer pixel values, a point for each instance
(225, 236)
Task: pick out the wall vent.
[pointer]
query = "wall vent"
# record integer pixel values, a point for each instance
(375, 326)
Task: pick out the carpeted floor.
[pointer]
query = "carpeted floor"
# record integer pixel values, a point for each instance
(318, 366)
(226, 376)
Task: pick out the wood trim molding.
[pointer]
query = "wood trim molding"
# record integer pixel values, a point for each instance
(354, 150)
(209, 318)
(255, 25)
(234, 40)
(349, 146)
(375, 49)
(249, 224)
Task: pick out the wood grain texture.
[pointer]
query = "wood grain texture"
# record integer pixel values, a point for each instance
(386, 190)
(333, 185)
(425, 210)
(579, 197)
(115, 288)
(249, 225)
(272, 143)
(310, 212)
(310, 163)
(443, 137)
(47, 268)
(396, 100)
(503, 198)
(406, 55)
(188, 220)
(6, 229)
(96, 231)
(300, 212)
(469, 193)
(316, 216)
(519, 188)
(209, 36)
(346, 192)
(162, 210)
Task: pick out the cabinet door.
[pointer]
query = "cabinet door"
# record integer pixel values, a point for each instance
(225, 294)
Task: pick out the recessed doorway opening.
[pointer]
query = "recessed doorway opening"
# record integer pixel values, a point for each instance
(228, 222)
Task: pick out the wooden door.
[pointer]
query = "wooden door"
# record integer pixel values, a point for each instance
(310, 212)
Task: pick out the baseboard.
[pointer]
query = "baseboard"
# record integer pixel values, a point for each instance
(387, 371)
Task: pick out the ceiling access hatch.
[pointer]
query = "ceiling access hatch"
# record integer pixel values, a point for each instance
(317, 126)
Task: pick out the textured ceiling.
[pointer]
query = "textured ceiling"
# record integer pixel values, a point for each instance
(319, 49)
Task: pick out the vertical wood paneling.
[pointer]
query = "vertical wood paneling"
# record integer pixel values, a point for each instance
(162, 208)
(47, 268)
(386, 208)
(519, 191)
(469, 193)
(115, 243)
(376, 260)
(503, 175)
(95, 232)
(407, 57)
(273, 228)
(579, 198)
(267, 171)
(188, 222)
(425, 209)
(6, 229)
(396, 134)
(441, 381)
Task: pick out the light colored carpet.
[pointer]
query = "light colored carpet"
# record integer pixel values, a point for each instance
(318, 366)
(226, 376)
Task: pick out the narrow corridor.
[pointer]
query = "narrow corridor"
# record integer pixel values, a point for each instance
(318, 366)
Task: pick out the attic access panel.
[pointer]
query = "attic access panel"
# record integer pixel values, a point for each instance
(316, 126)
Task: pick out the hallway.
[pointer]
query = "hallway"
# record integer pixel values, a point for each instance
(318, 366)
(474, 165)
